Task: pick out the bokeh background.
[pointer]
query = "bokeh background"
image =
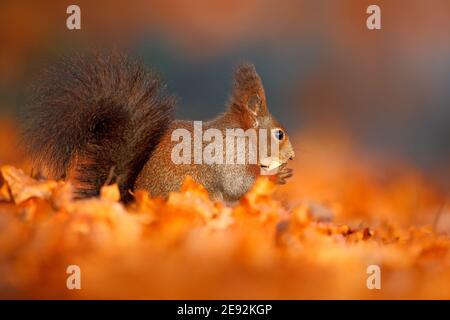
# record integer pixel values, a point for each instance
(368, 113)
(387, 91)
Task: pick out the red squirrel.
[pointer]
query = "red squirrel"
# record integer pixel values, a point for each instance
(103, 117)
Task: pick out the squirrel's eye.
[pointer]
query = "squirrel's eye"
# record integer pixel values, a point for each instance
(279, 134)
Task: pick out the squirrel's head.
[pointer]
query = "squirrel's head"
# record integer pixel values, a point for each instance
(248, 101)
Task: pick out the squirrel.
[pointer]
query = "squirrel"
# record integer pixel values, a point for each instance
(100, 118)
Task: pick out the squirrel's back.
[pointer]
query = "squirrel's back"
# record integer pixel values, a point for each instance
(97, 118)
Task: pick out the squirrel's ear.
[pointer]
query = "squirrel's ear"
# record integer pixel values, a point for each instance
(254, 104)
(248, 91)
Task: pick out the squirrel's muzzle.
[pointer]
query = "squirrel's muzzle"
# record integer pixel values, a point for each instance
(287, 152)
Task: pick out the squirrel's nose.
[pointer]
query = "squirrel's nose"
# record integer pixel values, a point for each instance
(292, 155)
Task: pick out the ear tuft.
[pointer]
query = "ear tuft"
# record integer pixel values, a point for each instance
(246, 78)
(248, 91)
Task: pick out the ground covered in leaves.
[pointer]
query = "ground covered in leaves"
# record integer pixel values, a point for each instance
(313, 238)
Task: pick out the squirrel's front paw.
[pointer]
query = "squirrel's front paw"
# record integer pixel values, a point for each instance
(283, 175)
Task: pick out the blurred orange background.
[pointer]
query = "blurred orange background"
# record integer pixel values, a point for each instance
(369, 111)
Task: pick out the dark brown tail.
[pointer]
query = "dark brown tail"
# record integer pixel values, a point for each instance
(97, 117)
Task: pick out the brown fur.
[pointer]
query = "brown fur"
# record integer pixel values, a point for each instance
(96, 116)
(224, 181)
(104, 117)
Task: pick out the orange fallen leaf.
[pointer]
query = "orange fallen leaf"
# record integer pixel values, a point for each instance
(110, 192)
(24, 187)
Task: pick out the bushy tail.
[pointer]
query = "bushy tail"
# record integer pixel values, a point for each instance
(96, 118)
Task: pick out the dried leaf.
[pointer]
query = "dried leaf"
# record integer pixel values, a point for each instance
(110, 192)
(23, 187)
